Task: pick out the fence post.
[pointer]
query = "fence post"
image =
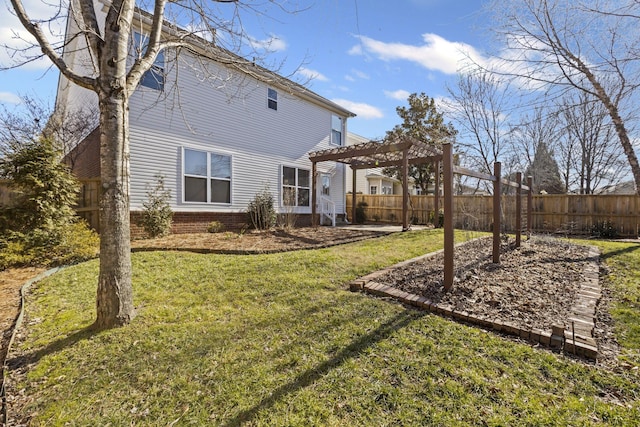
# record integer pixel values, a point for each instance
(496, 212)
(518, 209)
(314, 196)
(529, 206)
(405, 190)
(447, 187)
(436, 196)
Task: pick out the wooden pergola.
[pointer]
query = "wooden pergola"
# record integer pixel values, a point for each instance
(403, 151)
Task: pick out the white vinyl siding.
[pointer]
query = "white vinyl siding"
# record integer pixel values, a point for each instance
(230, 120)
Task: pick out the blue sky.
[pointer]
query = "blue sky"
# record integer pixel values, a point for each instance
(367, 55)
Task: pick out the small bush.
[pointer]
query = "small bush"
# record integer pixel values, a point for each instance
(215, 227)
(432, 218)
(604, 229)
(261, 210)
(157, 214)
(68, 244)
(361, 215)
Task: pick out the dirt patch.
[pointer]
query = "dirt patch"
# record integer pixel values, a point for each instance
(11, 281)
(257, 241)
(533, 287)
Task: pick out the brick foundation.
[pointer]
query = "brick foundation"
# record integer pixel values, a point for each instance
(197, 222)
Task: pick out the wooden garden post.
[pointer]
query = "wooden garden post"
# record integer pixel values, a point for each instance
(314, 197)
(447, 188)
(529, 206)
(405, 190)
(496, 212)
(518, 209)
(353, 195)
(436, 197)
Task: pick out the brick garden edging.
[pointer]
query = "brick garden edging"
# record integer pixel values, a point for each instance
(576, 336)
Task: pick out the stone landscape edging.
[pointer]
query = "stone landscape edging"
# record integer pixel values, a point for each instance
(575, 337)
(18, 322)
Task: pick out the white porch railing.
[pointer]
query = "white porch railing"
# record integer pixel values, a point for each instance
(327, 210)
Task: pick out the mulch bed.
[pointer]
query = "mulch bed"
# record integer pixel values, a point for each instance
(533, 286)
(255, 242)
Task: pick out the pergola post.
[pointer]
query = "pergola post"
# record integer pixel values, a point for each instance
(518, 209)
(353, 195)
(405, 190)
(496, 212)
(436, 197)
(314, 196)
(447, 188)
(529, 206)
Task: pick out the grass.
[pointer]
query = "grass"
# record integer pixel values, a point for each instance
(623, 259)
(278, 340)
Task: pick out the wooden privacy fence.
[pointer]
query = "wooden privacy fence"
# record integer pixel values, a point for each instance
(562, 213)
(88, 206)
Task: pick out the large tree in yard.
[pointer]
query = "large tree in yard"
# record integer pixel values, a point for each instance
(106, 29)
(559, 46)
(422, 121)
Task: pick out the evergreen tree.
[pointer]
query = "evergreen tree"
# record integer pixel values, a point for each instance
(423, 122)
(545, 172)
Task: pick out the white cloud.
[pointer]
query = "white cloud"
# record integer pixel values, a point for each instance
(401, 95)
(436, 53)
(10, 98)
(361, 75)
(363, 110)
(271, 44)
(13, 34)
(312, 74)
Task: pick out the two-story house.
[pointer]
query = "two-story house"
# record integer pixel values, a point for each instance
(218, 129)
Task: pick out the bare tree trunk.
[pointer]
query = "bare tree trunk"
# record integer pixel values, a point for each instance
(114, 302)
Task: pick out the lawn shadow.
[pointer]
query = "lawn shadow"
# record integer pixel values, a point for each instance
(625, 250)
(24, 360)
(310, 376)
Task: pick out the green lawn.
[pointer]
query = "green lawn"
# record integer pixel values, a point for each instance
(279, 340)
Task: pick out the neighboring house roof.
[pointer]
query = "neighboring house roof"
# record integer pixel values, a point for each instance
(381, 176)
(627, 187)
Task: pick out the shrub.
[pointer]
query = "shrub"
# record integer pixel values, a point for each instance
(67, 244)
(604, 229)
(261, 211)
(215, 227)
(44, 189)
(361, 212)
(157, 214)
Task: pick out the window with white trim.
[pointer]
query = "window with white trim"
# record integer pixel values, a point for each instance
(296, 186)
(336, 130)
(154, 77)
(207, 177)
(272, 99)
(387, 189)
(325, 182)
(373, 189)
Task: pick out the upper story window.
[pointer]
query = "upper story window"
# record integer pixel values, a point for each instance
(207, 177)
(272, 99)
(154, 77)
(336, 130)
